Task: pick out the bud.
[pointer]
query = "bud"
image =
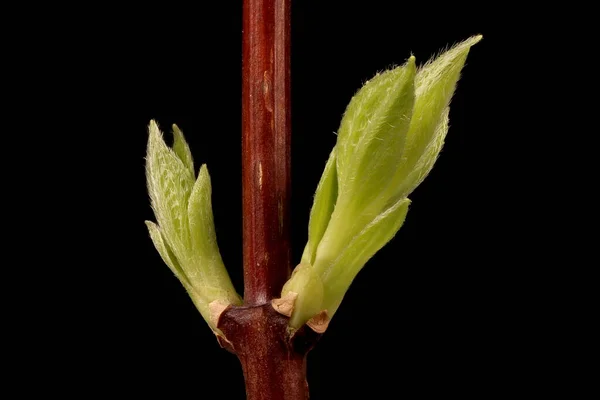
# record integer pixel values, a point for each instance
(185, 235)
(389, 138)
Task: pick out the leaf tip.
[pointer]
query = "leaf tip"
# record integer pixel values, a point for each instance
(151, 226)
(203, 172)
(153, 126)
(470, 42)
(411, 66)
(154, 133)
(177, 134)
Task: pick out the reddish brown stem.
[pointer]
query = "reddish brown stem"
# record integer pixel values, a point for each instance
(274, 364)
(266, 132)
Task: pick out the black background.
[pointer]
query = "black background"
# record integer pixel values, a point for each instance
(431, 313)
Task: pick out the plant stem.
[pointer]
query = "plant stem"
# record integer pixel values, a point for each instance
(266, 137)
(274, 364)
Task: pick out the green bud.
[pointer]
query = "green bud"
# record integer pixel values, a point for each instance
(185, 235)
(389, 139)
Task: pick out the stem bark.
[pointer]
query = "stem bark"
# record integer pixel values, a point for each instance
(273, 362)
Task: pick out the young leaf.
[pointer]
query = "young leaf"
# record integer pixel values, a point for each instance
(166, 254)
(372, 134)
(169, 185)
(207, 265)
(342, 271)
(360, 106)
(435, 83)
(181, 148)
(169, 258)
(323, 205)
(202, 226)
(369, 148)
(427, 159)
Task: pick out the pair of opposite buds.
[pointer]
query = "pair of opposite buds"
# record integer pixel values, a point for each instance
(389, 139)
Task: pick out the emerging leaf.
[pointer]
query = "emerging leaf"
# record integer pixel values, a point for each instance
(170, 185)
(166, 254)
(389, 139)
(323, 205)
(169, 258)
(185, 234)
(208, 264)
(427, 159)
(372, 134)
(181, 148)
(202, 227)
(435, 84)
(340, 274)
